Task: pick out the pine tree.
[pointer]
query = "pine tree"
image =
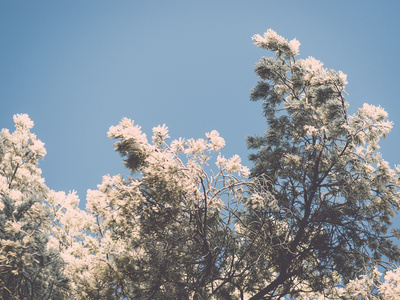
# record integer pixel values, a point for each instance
(167, 231)
(334, 194)
(29, 269)
(313, 221)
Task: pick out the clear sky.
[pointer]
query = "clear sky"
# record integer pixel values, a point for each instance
(78, 67)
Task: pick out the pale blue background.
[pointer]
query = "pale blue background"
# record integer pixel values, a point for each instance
(78, 67)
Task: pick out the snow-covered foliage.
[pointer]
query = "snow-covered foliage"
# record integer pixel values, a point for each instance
(335, 193)
(167, 231)
(29, 268)
(313, 221)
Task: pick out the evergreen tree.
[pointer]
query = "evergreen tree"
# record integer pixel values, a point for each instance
(334, 194)
(167, 231)
(29, 269)
(314, 221)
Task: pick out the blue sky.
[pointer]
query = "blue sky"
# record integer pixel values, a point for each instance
(78, 67)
